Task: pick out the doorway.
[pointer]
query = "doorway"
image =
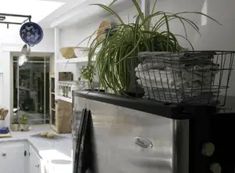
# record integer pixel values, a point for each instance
(31, 88)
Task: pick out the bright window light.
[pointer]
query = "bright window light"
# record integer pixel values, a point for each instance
(38, 9)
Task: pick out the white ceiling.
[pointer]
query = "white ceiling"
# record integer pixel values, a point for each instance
(51, 13)
(77, 11)
(56, 14)
(60, 0)
(38, 9)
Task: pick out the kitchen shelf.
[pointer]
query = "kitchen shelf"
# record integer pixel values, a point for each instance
(52, 100)
(64, 99)
(72, 60)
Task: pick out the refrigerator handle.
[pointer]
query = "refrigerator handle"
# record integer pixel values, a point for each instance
(143, 142)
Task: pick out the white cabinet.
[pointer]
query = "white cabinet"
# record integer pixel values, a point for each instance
(13, 157)
(35, 165)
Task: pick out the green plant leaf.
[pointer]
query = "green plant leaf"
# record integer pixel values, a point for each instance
(199, 13)
(141, 14)
(151, 16)
(113, 2)
(185, 38)
(154, 6)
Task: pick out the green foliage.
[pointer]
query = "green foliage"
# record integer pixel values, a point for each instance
(23, 119)
(87, 72)
(116, 54)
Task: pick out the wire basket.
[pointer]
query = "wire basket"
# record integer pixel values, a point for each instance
(192, 77)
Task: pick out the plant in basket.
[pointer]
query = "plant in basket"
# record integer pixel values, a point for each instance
(117, 53)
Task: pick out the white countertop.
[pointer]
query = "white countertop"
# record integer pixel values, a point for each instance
(48, 149)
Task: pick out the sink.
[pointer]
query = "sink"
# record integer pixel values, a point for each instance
(60, 161)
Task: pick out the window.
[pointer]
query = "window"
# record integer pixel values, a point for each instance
(31, 88)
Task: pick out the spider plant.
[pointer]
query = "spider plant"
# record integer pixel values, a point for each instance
(116, 54)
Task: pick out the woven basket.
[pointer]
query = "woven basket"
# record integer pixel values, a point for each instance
(81, 51)
(74, 52)
(68, 52)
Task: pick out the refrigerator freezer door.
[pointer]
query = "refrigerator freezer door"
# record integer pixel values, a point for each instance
(129, 141)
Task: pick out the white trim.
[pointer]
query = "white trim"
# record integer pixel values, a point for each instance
(72, 60)
(64, 98)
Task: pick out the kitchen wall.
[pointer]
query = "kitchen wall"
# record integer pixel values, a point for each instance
(10, 42)
(213, 36)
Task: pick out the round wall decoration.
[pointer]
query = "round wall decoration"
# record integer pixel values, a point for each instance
(31, 33)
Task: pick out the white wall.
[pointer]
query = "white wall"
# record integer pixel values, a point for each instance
(213, 36)
(5, 98)
(10, 41)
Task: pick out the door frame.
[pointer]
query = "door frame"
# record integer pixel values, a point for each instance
(12, 55)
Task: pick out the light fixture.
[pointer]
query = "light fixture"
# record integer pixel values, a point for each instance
(22, 59)
(24, 53)
(25, 49)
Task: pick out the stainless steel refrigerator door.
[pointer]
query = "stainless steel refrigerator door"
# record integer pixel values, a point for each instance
(131, 141)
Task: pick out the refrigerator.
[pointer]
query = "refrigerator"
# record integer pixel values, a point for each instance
(113, 134)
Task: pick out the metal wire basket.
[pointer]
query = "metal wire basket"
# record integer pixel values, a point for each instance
(192, 77)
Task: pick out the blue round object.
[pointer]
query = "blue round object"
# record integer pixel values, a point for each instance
(31, 33)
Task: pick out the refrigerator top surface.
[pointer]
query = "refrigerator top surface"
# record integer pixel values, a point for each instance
(171, 111)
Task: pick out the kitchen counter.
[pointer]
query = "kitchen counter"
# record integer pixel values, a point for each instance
(59, 148)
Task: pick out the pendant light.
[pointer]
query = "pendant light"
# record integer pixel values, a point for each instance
(25, 51)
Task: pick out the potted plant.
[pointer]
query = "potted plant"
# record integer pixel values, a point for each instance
(87, 73)
(23, 123)
(116, 54)
(15, 124)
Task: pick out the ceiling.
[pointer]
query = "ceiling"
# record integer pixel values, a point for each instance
(32, 7)
(60, 0)
(68, 7)
(55, 13)
(79, 11)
